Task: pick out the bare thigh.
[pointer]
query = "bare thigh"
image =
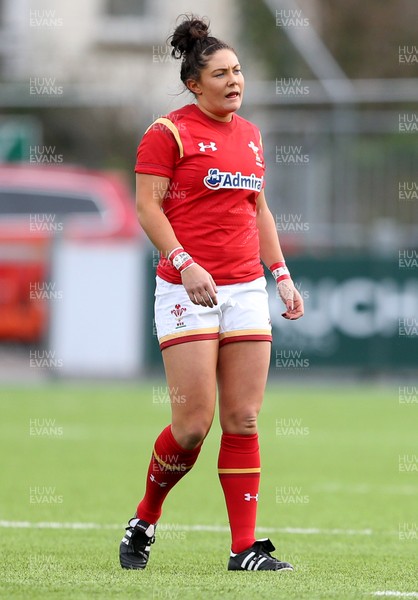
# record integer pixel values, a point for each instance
(191, 377)
(242, 376)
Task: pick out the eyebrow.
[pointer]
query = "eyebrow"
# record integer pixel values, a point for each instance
(225, 68)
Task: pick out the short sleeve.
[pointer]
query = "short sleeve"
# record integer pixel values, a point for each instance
(261, 152)
(158, 152)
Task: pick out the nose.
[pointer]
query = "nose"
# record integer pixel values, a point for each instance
(233, 79)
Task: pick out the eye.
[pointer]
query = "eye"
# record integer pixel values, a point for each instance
(219, 75)
(237, 71)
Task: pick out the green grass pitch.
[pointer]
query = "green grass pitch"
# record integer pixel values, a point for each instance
(338, 496)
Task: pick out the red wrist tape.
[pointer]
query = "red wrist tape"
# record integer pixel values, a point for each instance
(280, 271)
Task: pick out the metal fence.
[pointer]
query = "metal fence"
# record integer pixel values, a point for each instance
(342, 178)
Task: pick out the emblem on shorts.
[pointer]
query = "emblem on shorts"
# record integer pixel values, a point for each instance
(178, 313)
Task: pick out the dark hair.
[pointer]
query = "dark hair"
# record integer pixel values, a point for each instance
(193, 45)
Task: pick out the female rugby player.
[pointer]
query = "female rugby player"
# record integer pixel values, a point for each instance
(200, 200)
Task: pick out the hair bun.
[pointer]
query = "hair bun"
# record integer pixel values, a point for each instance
(186, 35)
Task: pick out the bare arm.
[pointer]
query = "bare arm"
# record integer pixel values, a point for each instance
(270, 253)
(150, 192)
(270, 250)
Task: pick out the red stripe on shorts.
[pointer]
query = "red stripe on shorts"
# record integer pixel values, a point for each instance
(246, 338)
(189, 338)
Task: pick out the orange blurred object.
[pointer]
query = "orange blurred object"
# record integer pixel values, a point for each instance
(37, 204)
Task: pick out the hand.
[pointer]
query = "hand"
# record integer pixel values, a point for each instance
(199, 285)
(291, 298)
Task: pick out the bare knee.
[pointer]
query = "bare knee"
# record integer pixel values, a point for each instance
(240, 423)
(190, 435)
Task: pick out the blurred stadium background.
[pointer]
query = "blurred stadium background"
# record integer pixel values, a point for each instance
(334, 89)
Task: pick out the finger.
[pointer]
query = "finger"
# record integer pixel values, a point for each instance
(289, 304)
(215, 289)
(212, 291)
(298, 310)
(210, 301)
(288, 317)
(199, 299)
(204, 299)
(292, 316)
(213, 298)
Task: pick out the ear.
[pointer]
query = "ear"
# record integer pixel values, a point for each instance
(194, 86)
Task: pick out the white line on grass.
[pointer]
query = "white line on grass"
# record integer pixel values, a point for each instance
(397, 594)
(168, 526)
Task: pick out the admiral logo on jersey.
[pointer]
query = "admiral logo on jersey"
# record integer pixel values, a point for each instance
(217, 179)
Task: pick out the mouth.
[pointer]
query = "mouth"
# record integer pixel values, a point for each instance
(232, 95)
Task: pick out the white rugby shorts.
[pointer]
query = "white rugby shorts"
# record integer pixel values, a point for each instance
(242, 314)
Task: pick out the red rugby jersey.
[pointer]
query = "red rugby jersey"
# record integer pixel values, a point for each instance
(216, 172)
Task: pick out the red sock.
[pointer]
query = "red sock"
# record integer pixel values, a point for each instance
(169, 463)
(239, 473)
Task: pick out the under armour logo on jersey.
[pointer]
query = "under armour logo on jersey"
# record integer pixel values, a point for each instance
(162, 484)
(248, 497)
(203, 147)
(255, 149)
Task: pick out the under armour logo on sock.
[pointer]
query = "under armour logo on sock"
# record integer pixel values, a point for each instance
(248, 497)
(162, 484)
